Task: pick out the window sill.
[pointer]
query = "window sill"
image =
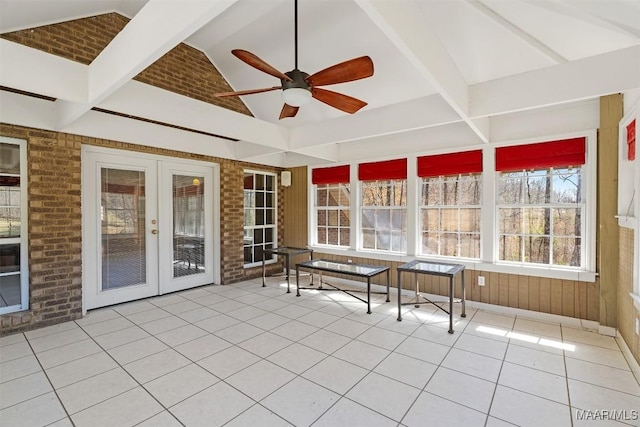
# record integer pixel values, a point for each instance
(627, 221)
(523, 270)
(636, 300)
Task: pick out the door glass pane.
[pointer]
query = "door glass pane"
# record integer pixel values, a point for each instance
(123, 222)
(188, 225)
(11, 217)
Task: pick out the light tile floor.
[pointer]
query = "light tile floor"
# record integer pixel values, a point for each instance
(244, 355)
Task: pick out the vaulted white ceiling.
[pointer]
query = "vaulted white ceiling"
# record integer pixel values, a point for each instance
(448, 73)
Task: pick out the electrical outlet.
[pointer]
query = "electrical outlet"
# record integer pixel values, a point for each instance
(480, 280)
(349, 261)
(637, 326)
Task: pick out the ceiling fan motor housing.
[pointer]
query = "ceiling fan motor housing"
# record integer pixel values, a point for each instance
(299, 80)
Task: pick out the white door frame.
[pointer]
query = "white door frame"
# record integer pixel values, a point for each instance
(91, 186)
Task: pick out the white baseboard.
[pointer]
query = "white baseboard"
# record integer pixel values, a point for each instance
(626, 352)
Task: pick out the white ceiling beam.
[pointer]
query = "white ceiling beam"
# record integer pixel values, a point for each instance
(35, 71)
(402, 22)
(23, 110)
(433, 140)
(150, 102)
(563, 119)
(108, 126)
(582, 12)
(155, 30)
(586, 78)
(325, 153)
(517, 31)
(414, 114)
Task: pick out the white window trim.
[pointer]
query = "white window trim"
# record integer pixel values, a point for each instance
(488, 261)
(360, 208)
(275, 224)
(440, 207)
(314, 213)
(24, 229)
(629, 194)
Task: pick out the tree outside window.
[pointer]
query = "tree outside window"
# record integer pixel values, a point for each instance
(384, 215)
(450, 209)
(333, 217)
(540, 216)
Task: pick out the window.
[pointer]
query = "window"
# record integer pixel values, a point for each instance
(259, 215)
(450, 209)
(13, 220)
(384, 215)
(450, 204)
(333, 217)
(541, 210)
(332, 205)
(383, 224)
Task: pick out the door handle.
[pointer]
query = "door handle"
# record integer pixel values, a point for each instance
(154, 231)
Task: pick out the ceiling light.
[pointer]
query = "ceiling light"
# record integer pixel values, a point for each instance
(296, 96)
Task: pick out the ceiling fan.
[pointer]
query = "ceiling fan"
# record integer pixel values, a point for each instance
(299, 87)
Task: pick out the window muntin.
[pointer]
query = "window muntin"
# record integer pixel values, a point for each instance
(541, 216)
(13, 239)
(259, 215)
(333, 215)
(450, 215)
(384, 215)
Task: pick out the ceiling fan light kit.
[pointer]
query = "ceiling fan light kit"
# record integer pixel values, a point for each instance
(299, 87)
(297, 92)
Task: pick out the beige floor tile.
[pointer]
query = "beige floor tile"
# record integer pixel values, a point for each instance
(86, 393)
(335, 374)
(349, 413)
(198, 410)
(406, 369)
(156, 365)
(300, 401)
(533, 381)
(384, 395)
(180, 384)
(526, 410)
(80, 369)
(126, 409)
(18, 368)
(439, 412)
(39, 411)
(23, 389)
(260, 379)
(464, 389)
(229, 361)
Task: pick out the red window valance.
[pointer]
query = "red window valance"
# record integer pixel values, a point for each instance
(390, 169)
(330, 175)
(450, 164)
(631, 140)
(566, 152)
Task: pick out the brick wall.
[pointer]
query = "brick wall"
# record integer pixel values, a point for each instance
(182, 70)
(55, 267)
(54, 169)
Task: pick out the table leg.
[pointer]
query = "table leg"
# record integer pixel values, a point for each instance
(311, 259)
(388, 280)
(399, 297)
(417, 290)
(464, 297)
(297, 282)
(368, 295)
(450, 305)
(263, 271)
(288, 261)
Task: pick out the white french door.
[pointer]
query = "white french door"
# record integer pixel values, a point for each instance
(148, 226)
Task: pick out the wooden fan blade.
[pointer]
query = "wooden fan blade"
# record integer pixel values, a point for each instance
(247, 92)
(288, 111)
(348, 71)
(259, 64)
(337, 100)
